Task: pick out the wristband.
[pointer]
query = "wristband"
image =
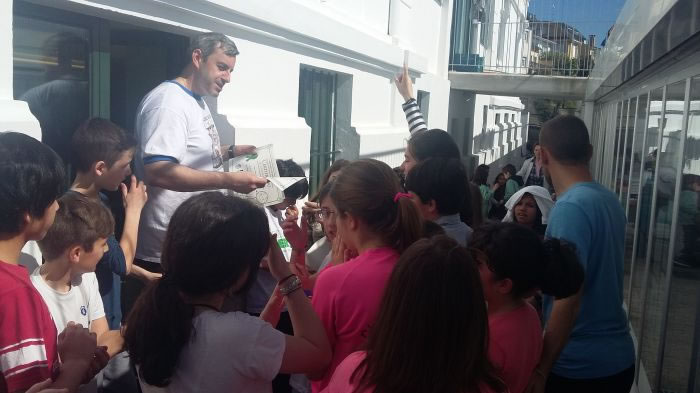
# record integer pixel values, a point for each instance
(285, 279)
(291, 286)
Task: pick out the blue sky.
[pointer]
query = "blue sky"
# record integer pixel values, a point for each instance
(588, 16)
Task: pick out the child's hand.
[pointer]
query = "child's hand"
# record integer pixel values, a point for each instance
(279, 268)
(404, 84)
(136, 196)
(295, 235)
(340, 252)
(41, 387)
(77, 346)
(99, 361)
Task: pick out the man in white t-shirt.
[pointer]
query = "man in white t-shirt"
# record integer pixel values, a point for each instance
(180, 153)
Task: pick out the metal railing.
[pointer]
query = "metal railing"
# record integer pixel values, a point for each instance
(487, 39)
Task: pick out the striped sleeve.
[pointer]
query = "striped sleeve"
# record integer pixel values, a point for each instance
(25, 355)
(413, 116)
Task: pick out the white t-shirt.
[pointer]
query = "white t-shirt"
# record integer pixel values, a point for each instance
(260, 292)
(81, 304)
(172, 124)
(229, 352)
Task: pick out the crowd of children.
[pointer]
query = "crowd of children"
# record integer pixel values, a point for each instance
(411, 288)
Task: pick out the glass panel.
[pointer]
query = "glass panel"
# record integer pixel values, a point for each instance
(624, 167)
(684, 289)
(667, 157)
(51, 74)
(637, 127)
(619, 142)
(648, 168)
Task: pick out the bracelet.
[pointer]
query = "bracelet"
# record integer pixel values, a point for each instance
(285, 279)
(293, 285)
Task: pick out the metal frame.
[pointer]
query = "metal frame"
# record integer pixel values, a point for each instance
(650, 235)
(639, 205)
(624, 148)
(672, 239)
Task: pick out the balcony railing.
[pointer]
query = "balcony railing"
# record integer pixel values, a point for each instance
(488, 39)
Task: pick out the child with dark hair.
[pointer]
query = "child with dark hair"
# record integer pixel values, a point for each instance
(431, 331)
(438, 189)
(481, 176)
(32, 178)
(514, 264)
(264, 285)
(530, 207)
(513, 181)
(72, 248)
(498, 210)
(376, 220)
(177, 335)
(102, 154)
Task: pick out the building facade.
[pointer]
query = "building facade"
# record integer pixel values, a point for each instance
(488, 36)
(643, 108)
(314, 77)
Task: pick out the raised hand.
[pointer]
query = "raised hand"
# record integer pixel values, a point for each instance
(295, 235)
(404, 84)
(135, 196)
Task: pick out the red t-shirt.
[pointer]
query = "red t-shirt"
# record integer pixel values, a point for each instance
(27, 332)
(346, 298)
(515, 345)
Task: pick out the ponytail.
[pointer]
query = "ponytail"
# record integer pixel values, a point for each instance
(407, 226)
(158, 327)
(563, 274)
(369, 190)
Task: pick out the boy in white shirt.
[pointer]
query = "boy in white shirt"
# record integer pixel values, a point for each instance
(66, 281)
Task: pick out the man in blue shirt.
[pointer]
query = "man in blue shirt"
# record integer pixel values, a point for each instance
(587, 342)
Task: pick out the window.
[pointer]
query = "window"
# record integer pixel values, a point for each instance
(423, 98)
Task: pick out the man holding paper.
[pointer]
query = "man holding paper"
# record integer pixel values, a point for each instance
(180, 153)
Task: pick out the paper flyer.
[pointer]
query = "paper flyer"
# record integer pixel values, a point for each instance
(262, 163)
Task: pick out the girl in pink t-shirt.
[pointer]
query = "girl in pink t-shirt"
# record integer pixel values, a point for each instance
(513, 264)
(431, 332)
(377, 221)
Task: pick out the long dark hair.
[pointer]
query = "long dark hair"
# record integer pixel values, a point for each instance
(431, 334)
(213, 240)
(367, 189)
(517, 253)
(481, 175)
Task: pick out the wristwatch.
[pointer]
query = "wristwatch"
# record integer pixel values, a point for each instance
(231, 149)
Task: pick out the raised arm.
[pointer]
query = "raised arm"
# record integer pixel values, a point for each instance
(414, 117)
(308, 350)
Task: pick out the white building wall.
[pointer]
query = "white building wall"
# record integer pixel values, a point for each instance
(494, 139)
(277, 37)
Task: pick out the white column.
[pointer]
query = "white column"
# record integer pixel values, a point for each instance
(15, 114)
